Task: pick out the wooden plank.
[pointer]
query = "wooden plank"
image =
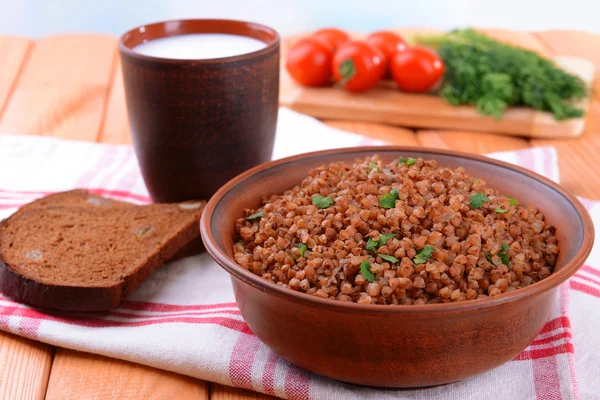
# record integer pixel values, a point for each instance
(24, 367)
(221, 392)
(578, 158)
(116, 124)
(391, 134)
(63, 88)
(13, 53)
(77, 375)
(386, 104)
(470, 142)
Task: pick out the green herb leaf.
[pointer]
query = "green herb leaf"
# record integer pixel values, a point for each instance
(391, 259)
(395, 193)
(489, 257)
(387, 201)
(321, 201)
(257, 215)
(371, 244)
(503, 254)
(423, 255)
(478, 199)
(384, 237)
(365, 270)
(513, 201)
(408, 161)
(500, 210)
(372, 166)
(302, 248)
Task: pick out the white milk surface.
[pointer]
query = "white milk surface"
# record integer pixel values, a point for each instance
(200, 46)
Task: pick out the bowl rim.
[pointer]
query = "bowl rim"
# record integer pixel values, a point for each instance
(258, 282)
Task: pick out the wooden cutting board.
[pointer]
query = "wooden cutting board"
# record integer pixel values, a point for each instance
(385, 104)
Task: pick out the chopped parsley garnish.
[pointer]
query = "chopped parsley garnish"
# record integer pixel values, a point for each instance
(384, 237)
(389, 200)
(388, 258)
(503, 255)
(321, 201)
(257, 215)
(500, 210)
(478, 199)
(423, 255)
(408, 161)
(513, 201)
(372, 166)
(371, 244)
(365, 270)
(302, 248)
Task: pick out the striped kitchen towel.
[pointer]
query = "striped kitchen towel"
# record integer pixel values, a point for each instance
(184, 317)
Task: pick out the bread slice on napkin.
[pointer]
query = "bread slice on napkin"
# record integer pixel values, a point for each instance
(72, 254)
(73, 198)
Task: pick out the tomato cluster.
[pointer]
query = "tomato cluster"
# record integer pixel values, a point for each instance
(329, 55)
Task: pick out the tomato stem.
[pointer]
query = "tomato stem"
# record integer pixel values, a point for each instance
(347, 70)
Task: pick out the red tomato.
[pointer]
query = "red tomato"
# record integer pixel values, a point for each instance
(389, 43)
(358, 66)
(416, 69)
(309, 62)
(333, 37)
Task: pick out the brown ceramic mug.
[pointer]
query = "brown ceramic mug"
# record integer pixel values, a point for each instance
(197, 123)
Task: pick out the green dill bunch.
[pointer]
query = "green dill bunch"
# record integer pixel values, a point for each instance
(492, 76)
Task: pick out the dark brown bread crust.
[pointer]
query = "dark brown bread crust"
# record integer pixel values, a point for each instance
(74, 298)
(73, 198)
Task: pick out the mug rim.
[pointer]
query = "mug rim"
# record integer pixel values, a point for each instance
(186, 26)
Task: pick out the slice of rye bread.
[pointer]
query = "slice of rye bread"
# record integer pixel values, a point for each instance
(84, 198)
(73, 198)
(89, 258)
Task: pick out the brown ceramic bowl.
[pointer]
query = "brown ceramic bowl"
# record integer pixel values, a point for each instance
(395, 346)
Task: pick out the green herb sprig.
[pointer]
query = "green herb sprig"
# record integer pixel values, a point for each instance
(502, 254)
(408, 161)
(372, 245)
(478, 199)
(365, 270)
(493, 76)
(303, 247)
(256, 215)
(322, 201)
(388, 200)
(388, 258)
(424, 255)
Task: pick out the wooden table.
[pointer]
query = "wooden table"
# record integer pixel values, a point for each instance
(70, 87)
